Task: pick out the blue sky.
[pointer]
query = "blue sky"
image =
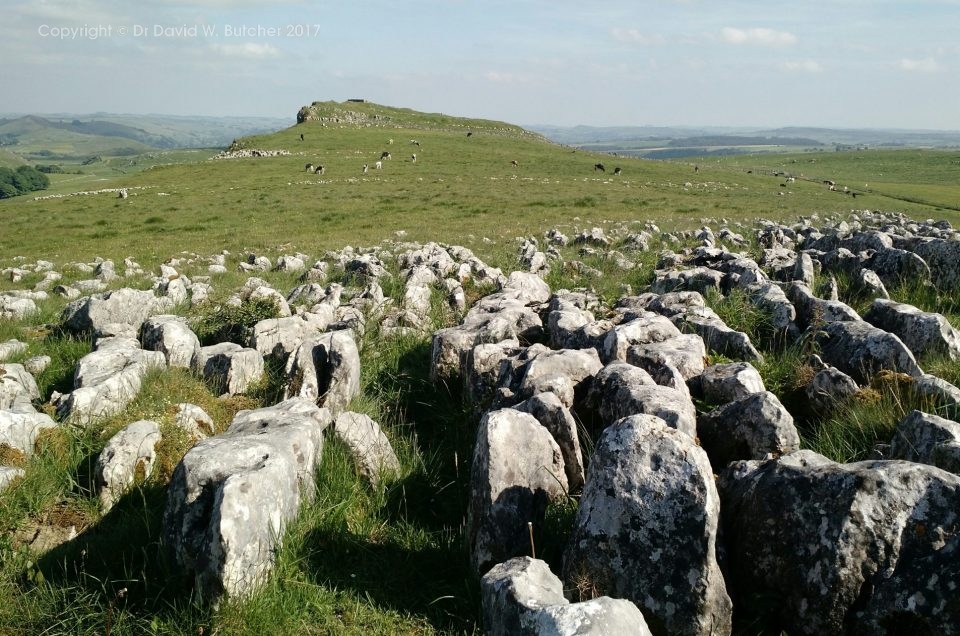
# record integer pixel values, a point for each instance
(843, 63)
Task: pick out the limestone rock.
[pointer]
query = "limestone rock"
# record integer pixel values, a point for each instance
(230, 369)
(646, 529)
(128, 456)
(232, 495)
(369, 446)
(517, 469)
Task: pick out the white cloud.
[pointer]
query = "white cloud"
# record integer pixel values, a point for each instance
(926, 65)
(249, 50)
(758, 36)
(635, 36)
(801, 66)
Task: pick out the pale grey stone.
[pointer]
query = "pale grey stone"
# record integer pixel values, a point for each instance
(172, 336)
(646, 529)
(129, 454)
(517, 469)
(230, 369)
(232, 496)
(368, 445)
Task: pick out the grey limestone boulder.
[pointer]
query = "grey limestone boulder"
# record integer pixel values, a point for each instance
(751, 427)
(16, 385)
(11, 348)
(13, 308)
(108, 379)
(923, 332)
(565, 372)
(621, 389)
(523, 597)
(869, 283)
(927, 439)
(129, 306)
(642, 330)
(194, 420)
(686, 353)
(829, 386)
(281, 336)
(716, 335)
(727, 382)
(815, 311)
(861, 350)
(325, 369)
(128, 456)
(773, 300)
(895, 266)
(557, 418)
(368, 445)
(481, 370)
(646, 529)
(232, 495)
(21, 425)
(172, 336)
(844, 548)
(230, 369)
(517, 470)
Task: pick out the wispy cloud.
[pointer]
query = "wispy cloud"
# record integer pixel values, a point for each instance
(757, 36)
(636, 37)
(801, 66)
(926, 65)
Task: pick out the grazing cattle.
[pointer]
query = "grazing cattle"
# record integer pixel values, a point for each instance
(413, 158)
(829, 182)
(599, 166)
(301, 136)
(390, 142)
(365, 168)
(515, 163)
(378, 165)
(319, 170)
(385, 154)
(696, 168)
(617, 171)
(469, 134)
(415, 142)
(308, 167)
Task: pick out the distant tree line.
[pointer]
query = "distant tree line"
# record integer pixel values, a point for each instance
(20, 181)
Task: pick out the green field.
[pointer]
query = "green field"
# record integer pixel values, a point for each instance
(390, 560)
(460, 190)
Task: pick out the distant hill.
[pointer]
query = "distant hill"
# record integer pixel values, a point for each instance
(72, 137)
(656, 142)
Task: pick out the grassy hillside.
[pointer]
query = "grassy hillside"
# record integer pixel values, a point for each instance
(461, 188)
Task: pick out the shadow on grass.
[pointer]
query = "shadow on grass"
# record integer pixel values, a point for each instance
(116, 572)
(433, 582)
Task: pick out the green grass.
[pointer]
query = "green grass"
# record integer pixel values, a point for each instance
(389, 560)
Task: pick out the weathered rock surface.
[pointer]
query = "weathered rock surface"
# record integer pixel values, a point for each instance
(751, 427)
(128, 456)
(232, 495)
(325, 369)
(927, 439)
(21, 425)
(646, 529)
(16, 385)
(230, 369)
(557, 418)
(108, 379)
(517, 469)
(861, 350)
(368, 445)
(172, 336)
(281, 336)
(621, 389)
(727, 382)
(923, 332)
(125, 305)
(194, 420)
(844, 548)
(9, 475)
(523, 597)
